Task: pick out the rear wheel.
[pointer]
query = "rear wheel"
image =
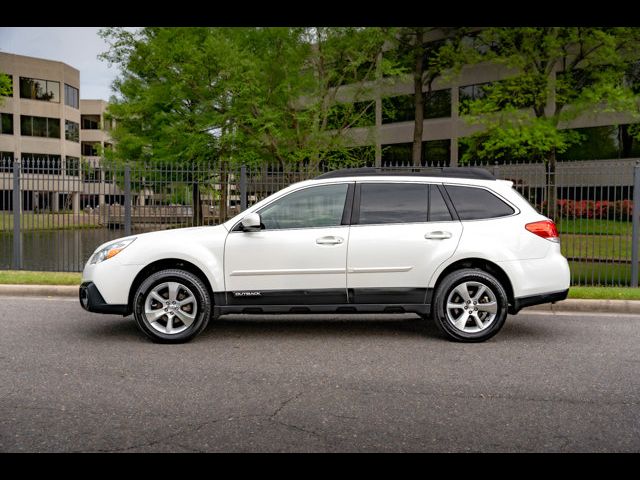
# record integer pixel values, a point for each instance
(172, 306)
(470, 305)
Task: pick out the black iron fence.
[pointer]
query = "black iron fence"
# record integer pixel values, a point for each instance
(53, 215)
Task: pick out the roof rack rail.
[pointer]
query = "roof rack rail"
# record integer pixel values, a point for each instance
(450, 172)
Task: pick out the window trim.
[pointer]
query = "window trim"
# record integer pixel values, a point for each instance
(516, 210)
(236, 226)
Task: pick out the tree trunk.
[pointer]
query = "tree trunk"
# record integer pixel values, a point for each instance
(197, 206)
(552, 195)
(416, 151)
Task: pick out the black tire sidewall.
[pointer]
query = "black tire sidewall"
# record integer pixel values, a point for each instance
(189, 280)
(440, 300)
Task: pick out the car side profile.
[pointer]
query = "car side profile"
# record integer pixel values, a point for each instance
(452, 244)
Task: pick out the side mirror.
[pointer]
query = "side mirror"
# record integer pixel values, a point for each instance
(251, 223)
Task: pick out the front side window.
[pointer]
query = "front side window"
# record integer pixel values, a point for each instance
(477, 203)
(393, 203)
(313, 207)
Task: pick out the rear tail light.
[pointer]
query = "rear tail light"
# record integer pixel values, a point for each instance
(545, 229)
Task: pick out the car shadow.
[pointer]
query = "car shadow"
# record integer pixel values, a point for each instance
(312, 326)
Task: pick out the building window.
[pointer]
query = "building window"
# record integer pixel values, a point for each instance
(72, 166)
(398, 109)
(90, 149)
(71, 131)
(6, 161)
(351, 115)
(71, 96)
(6, 123)
(91, 174)
(38, 89)
(40, 163)
(469, 93)
(437, 104)
(396, 155)
(610, 141)
(90, 122)
(436, 152)
(39, 126)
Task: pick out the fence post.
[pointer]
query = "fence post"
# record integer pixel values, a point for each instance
(635, 233)
(243, 188)
(17, 213)
(127, 200)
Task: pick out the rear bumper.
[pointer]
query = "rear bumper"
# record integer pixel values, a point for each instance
(92, 301)
(522, 302)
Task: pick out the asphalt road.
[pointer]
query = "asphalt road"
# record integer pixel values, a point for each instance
(74, 381)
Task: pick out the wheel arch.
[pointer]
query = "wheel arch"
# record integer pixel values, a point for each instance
(164, 264)
(481, 264)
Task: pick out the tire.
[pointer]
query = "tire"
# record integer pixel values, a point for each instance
(172, 322)
(478, 321)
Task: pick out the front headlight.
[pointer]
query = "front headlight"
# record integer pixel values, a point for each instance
(110, 250)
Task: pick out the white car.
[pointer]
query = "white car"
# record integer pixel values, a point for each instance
(453, 244)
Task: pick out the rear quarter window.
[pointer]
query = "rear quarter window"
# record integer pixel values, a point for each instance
(474, 203)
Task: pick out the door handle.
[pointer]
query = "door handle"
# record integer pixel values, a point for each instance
(437, 235)
(330, 240)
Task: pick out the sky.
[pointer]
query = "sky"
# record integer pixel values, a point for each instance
(78, 47)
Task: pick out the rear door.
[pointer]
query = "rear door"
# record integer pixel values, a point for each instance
(400, 233)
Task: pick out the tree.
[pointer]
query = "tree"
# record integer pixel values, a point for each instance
(558, 74)
(235, 95)
(425, 60)
(6, 86)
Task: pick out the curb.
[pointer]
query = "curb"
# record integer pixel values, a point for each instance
(40, 290)
(570, 305)
(589, 306)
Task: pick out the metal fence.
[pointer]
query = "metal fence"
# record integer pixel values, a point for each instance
(53, 215)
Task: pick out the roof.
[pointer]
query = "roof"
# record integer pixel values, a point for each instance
(447, 172)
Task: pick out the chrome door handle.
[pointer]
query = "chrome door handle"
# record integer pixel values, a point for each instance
(437, 235)
(330, 240)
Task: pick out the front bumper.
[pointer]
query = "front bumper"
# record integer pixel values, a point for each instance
(92, 301)
(522, 302)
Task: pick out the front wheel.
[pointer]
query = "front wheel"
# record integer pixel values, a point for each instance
(470, 305)
(172, 306)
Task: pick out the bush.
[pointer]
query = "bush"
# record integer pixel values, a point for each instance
(601, 209)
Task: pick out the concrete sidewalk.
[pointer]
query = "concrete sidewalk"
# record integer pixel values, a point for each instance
(570, 305)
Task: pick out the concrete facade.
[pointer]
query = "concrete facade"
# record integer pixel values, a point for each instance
(28, 67)
(451, 127)
(66, 177)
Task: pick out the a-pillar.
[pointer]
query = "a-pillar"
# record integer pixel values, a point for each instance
(141, 198)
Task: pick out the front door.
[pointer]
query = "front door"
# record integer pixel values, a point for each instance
(298, 258)
(400, 234)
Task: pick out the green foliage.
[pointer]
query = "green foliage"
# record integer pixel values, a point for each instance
(237, 95)
(559, 74)
(6, 87)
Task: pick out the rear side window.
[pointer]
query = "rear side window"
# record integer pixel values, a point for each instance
(477, 203)
(393, 203)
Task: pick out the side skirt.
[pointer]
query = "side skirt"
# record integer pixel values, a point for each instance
(422, 309)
